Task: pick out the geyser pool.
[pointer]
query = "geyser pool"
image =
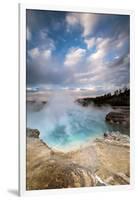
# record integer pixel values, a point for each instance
(63, 123)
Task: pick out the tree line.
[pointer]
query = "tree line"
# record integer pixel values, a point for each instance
(120, 97)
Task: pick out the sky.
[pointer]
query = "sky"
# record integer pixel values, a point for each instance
(77, 51)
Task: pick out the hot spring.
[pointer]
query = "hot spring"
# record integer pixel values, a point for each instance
(63, 123)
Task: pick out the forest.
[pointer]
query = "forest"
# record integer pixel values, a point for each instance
(120, 97)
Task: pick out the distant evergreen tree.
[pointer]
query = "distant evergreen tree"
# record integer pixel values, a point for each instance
(120, 97)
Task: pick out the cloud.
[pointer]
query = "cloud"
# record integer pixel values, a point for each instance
(106, 46)
(72, 19)
(103, 46)
(90, 42)
(74, 56)
(98, 55)
(43, 68)
(44, 40)
(28, 34)
(109, 73)
(47, 54)
(93, 54)
(86, 20)
(37, 54)
(33, 53)
(104, 43)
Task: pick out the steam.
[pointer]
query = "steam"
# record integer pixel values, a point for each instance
(63, 122)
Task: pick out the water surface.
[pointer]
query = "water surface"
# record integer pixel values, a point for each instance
(63, 123)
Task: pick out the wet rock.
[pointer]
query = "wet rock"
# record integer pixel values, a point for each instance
(113, 151)
(118, 118)
(104, 161)
(105, 135)
(34, 133)
(116, 136)
(49, 169)
(44, 102)
(55, 174)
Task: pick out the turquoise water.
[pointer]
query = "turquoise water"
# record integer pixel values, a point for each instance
(63, 123)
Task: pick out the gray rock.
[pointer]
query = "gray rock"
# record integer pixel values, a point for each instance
(117, 117)
(32, 133)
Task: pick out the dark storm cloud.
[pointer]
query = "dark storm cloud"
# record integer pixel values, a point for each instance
(48, 76)
(113, 25)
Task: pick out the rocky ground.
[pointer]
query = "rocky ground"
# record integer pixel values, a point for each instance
(120, 115)
(104, 161)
